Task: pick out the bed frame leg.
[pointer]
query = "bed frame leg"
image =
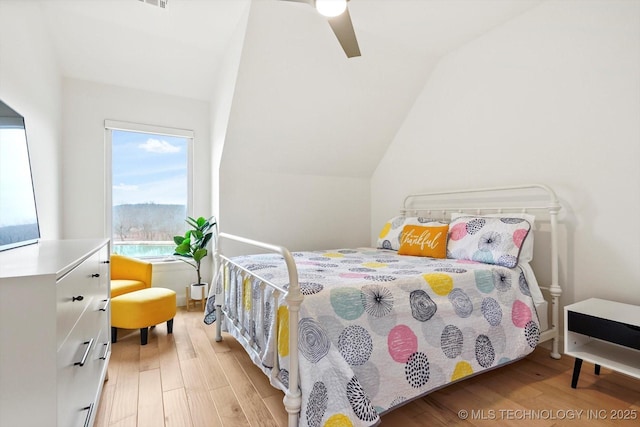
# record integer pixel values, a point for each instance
(292, 404)
(555, 316)
(219, 323)
(555, 288)
(555, 354)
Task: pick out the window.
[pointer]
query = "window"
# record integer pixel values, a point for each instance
(150, 188)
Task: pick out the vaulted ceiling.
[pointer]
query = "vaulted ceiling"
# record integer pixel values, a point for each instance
(177, 49)
(296, 92)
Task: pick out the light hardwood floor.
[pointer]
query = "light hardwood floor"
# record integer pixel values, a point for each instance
(189, 380)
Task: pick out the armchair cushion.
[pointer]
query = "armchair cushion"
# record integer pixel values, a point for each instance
(129, 274)
(119, 287)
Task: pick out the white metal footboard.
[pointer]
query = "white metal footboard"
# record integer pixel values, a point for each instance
(292, 399)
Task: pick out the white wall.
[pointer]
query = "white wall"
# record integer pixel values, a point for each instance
(301, 212)
(221, 102)
(552, 96)
(86, 105)
(286, 173)
(30, 83)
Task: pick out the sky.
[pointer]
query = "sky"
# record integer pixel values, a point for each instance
(148, 168)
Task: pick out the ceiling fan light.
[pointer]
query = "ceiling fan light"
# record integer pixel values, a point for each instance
(331, 8)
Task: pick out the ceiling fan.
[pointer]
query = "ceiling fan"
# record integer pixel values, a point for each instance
(337, 14)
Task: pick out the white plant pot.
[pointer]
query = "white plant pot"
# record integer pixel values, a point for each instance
(196, 291)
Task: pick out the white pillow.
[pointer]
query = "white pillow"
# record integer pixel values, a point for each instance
(526, 251)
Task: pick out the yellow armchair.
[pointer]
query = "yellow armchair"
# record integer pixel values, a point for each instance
(129, 274)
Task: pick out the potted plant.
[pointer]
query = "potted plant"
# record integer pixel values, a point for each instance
(194, 243)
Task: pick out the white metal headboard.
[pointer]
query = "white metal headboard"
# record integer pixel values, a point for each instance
(546, 200)
(531, 198)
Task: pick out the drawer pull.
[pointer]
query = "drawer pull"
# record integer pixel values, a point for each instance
(106, 304)
(89, 410)
(86, 353)
(78, 298)
(106, 262)
(106, 351)
(95, 275)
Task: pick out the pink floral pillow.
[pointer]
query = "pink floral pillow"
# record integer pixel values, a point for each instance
(487, 240)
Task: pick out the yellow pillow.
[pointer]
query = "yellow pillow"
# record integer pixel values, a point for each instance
(419, 240)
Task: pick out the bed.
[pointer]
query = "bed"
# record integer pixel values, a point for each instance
(447, 293)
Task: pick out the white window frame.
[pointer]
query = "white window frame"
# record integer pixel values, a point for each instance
(111, 125)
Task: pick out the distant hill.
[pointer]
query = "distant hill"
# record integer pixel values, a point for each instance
(148, 221)
(18, 233)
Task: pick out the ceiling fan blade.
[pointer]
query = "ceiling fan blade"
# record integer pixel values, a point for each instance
(343, 29)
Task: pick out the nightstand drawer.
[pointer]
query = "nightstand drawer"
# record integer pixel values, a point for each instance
(604, 329)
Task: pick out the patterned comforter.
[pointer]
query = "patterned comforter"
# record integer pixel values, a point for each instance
(378, 329)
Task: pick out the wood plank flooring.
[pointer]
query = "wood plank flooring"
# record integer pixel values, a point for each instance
(188, 380)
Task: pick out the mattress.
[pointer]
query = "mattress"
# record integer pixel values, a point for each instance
(540, 303)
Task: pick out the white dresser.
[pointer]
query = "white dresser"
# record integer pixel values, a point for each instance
(54, 332)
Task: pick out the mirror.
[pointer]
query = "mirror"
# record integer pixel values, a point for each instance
(18, 217)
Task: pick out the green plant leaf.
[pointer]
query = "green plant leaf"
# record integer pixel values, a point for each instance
(194, 243)
(199, 254)
(184, 249)
(206, 239)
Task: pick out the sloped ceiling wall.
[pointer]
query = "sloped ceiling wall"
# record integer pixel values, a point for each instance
(551, 97)
(302, 107)
(308, 126)
(174, 51)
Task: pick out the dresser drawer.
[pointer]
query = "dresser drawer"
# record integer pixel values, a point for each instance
(74, 374)
(82, 363)
(75, 292)
(99, 359)
(95, 322)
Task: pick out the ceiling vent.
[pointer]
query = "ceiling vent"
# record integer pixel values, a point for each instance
(160, 3)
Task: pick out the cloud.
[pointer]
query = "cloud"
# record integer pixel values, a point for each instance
(125, 187)
(157, 146)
